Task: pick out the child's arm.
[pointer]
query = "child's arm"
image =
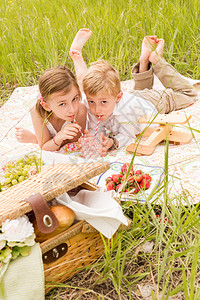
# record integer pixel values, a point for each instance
(41, 131)
(45, 140)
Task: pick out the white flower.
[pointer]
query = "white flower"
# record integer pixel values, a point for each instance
(30, 241)
(17, 230)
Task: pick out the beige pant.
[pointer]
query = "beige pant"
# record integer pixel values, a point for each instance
(178, 93)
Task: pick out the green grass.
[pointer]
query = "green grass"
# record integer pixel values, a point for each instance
(35, 35)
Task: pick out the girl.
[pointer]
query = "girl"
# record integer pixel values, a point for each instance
(58, 116)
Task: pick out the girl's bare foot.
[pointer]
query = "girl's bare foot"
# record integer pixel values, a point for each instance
(156, 55)
(25, 136)
(80, 39)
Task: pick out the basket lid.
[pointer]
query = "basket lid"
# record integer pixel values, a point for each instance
(50, 183)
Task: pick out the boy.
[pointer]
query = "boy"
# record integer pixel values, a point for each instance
(119, 111)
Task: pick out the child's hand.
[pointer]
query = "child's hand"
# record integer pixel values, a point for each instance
(106, 144)
(69, 132)
(25, 136)
(87, 133)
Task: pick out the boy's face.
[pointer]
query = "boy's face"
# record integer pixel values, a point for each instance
(102, 104)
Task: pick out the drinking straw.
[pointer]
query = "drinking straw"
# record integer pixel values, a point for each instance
(97, 126)
(79, 129)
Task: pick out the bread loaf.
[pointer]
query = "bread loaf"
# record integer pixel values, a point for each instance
(65, 218)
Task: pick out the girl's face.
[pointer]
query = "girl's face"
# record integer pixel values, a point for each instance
(64, 105)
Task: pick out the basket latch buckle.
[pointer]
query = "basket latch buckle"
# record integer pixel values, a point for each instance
(46, 220)
(55, 253)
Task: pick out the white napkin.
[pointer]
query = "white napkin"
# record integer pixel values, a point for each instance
(98, 208)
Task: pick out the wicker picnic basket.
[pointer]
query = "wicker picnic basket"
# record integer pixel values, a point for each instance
(80, 245)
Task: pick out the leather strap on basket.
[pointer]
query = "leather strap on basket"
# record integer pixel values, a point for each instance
(46, 220)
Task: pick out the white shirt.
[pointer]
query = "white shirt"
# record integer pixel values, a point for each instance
(123, 122)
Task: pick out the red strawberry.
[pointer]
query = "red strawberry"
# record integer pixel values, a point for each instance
(108, 179)
(110, 186)
(123, 177)
(144, 184)
(147, 177)
(138, 177)
(124, 168)
(138, 172)
(117, 178)
(118, 187)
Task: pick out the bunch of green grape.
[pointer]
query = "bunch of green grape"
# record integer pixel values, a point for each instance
(16, 172)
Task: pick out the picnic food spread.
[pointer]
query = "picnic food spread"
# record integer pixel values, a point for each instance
(131, 181)
(79, 240)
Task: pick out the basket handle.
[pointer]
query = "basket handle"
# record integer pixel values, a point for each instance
(46, 220)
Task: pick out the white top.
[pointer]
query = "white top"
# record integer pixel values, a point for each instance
(123, 122)
(51, 129)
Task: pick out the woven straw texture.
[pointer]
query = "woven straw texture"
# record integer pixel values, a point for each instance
(50, 183)
(83, 250)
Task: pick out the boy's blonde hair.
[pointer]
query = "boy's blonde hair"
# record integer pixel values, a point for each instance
(58, 79)
(101, 76)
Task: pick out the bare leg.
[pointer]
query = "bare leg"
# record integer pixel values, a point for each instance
(178, 93)
(80, 66)
(25, 136)
(142, 72)
(76, 53)
(80, 39)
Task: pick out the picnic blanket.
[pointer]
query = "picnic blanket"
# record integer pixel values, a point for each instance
(184, 163)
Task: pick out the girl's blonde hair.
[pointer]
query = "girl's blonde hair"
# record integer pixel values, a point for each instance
(101, 76)
(55, 80)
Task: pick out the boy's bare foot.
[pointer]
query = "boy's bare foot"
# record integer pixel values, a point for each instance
(156, 55)
(147, 48)
(80, 39)
(25, 136)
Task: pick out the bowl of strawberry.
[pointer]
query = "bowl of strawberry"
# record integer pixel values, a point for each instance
(131, 183)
